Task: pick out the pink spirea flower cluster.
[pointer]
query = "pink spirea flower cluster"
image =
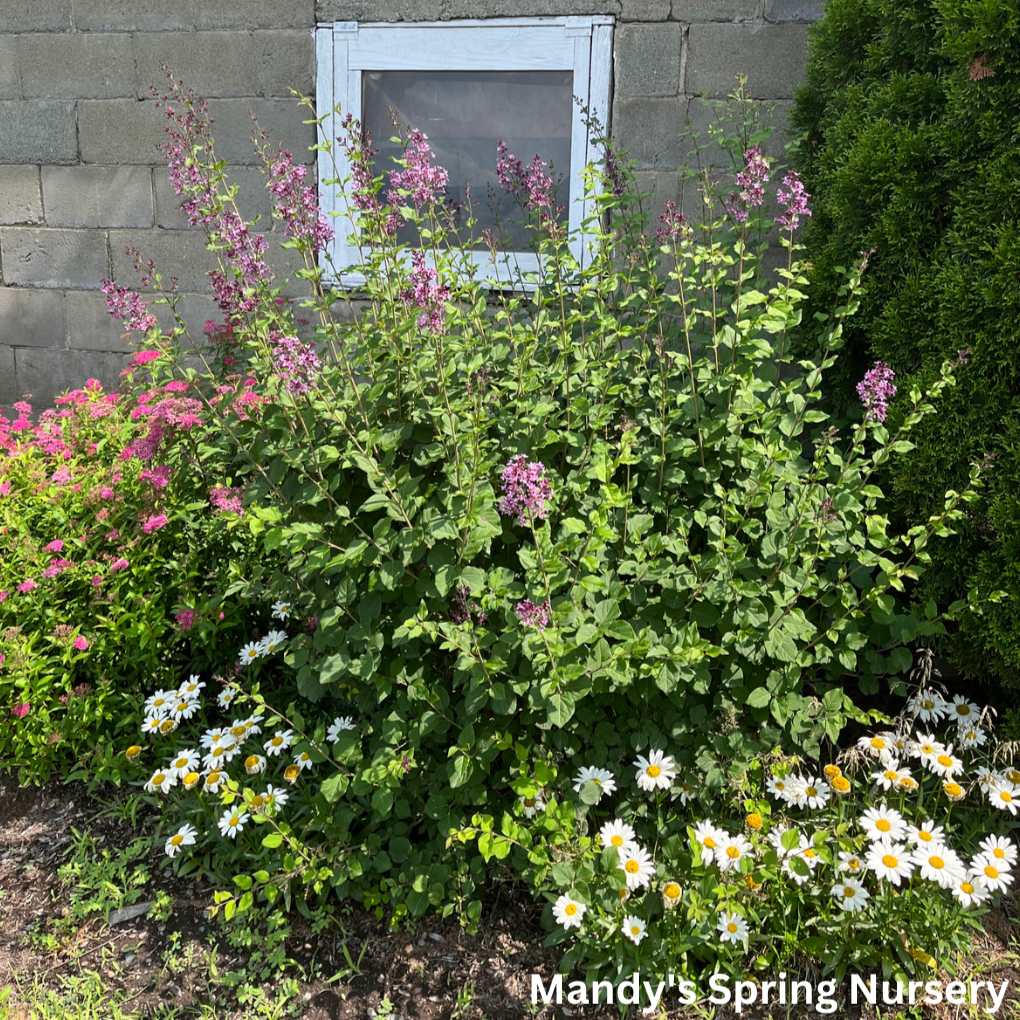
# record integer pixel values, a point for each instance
(227, 498)
(794, 200)
(296, 205)
(121, 564)
(127, 305)
(154, 522)
(428, 294)
(875, 389)
(526, 490)
(158, 476)
(419, 180)
(185, 618)
(57, 567)
(28, 585)
(532, 615)
(296, 362)
(80, 644)
(21, 710)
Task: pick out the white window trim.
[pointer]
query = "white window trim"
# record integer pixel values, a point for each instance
(344, 50)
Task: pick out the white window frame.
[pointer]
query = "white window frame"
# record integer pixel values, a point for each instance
(345, 50)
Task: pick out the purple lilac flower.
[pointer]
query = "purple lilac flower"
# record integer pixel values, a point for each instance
(875, 389)
(296, 205)
(126, 304)
(526, 490)
(419, 180)
(532, 615)
(296, 362)
(752, 180)
(460, 612)
(671, 224)
(427, 294)
(529, 183)
(795, 201)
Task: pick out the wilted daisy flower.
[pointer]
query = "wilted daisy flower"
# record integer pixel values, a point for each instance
(637, 866)
(533, 804)
(340, 725)
(970, 891)
(940, 864)
(291, 773)
(754, 822)
(183, 708)
(152, 723)
(877, 746)
(973, 737)
(232, 821)
(732, 850)
(191, 687)
(850, 895)
(899, 744)
(184, 836)
(303, 760)
(731, 928)
(891, 861)
(840, 785)
(250, 652)
(831, 771)
(710, 839)
(568, 912)
(159, 703)
(851, 863)
(167, 726)
(634, 928)
(254, 764)
(890, 775)
(226, 697)
(278, 743)
(1012, 775)
(992, 874)
(257, 803)
(133, 752)
(617, 833)
(926, 747)
(926, 834)
(214, 780)
(927, 706)
(655, 772)
(161, 781)
(907, 784)
(670, 895)
(946, 764)
(1005, 796)
(952, 790)
(965, 712)
(275, 796)
(885, 823)
(602, 778)
(189, 780)
(1001, 850)
(238, 732)
(186, 761)
(281, 610)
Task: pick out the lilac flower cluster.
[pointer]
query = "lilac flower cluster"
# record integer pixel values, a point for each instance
(126, 304)
(296, 204)
(420, 181)
(875, 389)
(427, 294)
(795, 201)
(463, 608)
(752, 180)
(296, 362)
(671, 224)
(532, 615)
(529, 183)
(526, 490)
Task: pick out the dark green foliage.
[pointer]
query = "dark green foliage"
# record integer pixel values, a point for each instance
(910, 146)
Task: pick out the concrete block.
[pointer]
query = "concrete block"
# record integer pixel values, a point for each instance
(647, 59)
(97, 196)
(131, 16)
(20, 200)
(794, 10)
(120, 131)
(212, 63)
(78, 66)
(47, 374)
(10, 80)
(648, 129)
(772, 57)
(445, 10)
(44, 257)
(179, 253)
(33, 16)
(8, 384)
(706, 114)
(279, 118)
(714, 10)
(252, 198)
(38, 131)
(644, 10)
(665, 187)
(32, 318)
(283, 61)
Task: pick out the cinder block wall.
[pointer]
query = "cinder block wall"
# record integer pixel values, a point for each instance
(81, 177)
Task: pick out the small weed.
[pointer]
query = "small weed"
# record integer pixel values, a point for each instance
(104, 881)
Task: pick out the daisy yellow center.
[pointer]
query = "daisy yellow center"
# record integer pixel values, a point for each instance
(597, 782)
(272, 646)
(158, 702)
(878, 743)
(889, 861)
(251, 760)
(672, 890)
(962, 710)
(134, 751)
(936, 862)
(654, 771)
(191, 777)
(1006, 796)
(635, 929)
(945, 761)
(809, 853)
(530, 802)
(732, 852)
(999, 853)
(276, 741)
(907, 783)
(168, 725)
(928, 705)
(924, 836)
(953, 789)
(177, 840)
(617, 840)
(849, 891)
(709, 843)
(754, 821)
(1012, 775)
(832, 771)
(233, 821)
(252, 654)
(181, 706)
(883, 825)
(780, 786)
(157, 779)
(238, 731)
(991, 871)
(967, 888)
(731, 928)
(258, 800)
(853, 865)
(892, 776)
(292, 770)
(180, 763)
(811, 791)
(633, 867)
(841, 783)
(927, 749)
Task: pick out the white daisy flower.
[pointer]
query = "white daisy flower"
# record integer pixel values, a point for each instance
(731, 928)
(926, 834)
(281, 610)
(686, 792)
(732, 850)
(184, 836)
(806, 852)
(226, 697)
(303, 760)
(275, 796)
(940, 864)
(946, 764)
(970, 891)
(850, 895)
(602, 778)
(927, 706)
(191, 687)
(185, 762)
(161, 781)
(883, 823)
(634, 928)
(637, 866)
(216, 757)
(991, 873)
(183, 708)
(251, 726)
(250, 652)
(891, 861)
(618, 834)
(775, 837)
(214, 779)
(655, 772)
(278, 743)
(568, 912)
(891, 775)
(986, 777)
(254, 764)
(973, 737)
(152, 723)
(877, 746)
(965, 712)
(1005, 796)
(233, 821)
(532, 805)
(272, 641)
(213, 737)
(340, 724)
(899, 745)
(1001, 850)
(852, 863)
(231, 749)
(160, 702)
(809, 792)
(710, 838)
(927, 748)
